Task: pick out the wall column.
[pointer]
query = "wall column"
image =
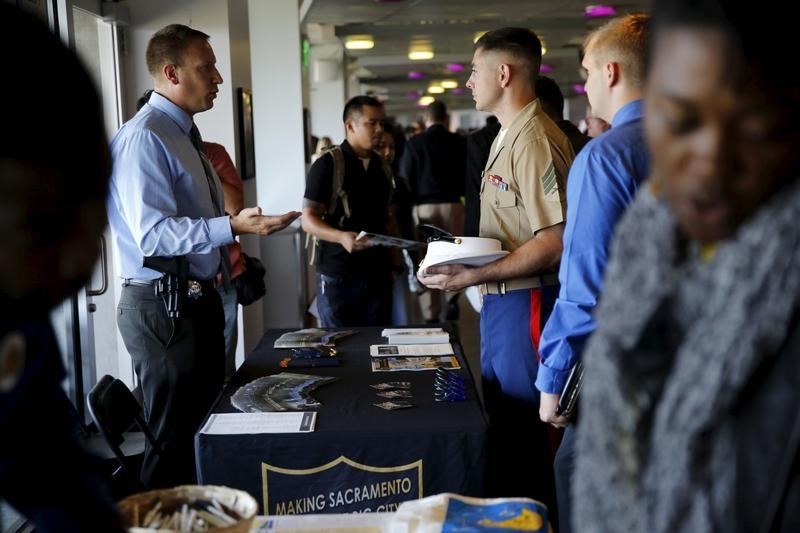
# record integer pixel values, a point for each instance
(277, 85)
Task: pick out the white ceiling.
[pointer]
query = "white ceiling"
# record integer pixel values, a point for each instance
(450, 26)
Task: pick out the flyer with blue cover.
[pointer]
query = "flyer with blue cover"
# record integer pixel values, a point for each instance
(508, 515)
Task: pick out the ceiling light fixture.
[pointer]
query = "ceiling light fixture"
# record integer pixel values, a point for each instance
(420, 51)
(359, 42)
(420, 55)
(415, 75)
(449, 84)
(435, 89)
(455, 67)
(426, 100)
(545, 69)
(599, 10)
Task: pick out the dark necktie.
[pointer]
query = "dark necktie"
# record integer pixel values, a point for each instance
(225, 258)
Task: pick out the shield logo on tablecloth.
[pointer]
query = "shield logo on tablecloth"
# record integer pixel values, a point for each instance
(340, 486)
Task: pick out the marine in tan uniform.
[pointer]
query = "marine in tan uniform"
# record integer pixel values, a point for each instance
(523, 193)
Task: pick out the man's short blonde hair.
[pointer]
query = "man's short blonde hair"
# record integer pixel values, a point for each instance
(623, 40)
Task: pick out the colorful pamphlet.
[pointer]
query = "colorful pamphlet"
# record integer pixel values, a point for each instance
(388, 350)
(397, 364)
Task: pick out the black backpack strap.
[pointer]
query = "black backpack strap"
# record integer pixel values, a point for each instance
(337, 193)
(337, 185)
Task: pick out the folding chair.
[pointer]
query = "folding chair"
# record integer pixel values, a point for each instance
(114, 410)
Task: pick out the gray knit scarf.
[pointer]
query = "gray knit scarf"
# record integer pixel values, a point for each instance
(678, 339)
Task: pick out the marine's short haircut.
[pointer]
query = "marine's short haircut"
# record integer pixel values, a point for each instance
(521, 43)
(167, 45)
(550, 95)
(623, 40)
(353, 108)
(437, 111)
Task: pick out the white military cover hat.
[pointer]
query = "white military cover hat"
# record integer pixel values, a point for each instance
(474, 251)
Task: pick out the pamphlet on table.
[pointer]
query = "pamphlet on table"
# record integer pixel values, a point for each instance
(396, 364)
(310, 337)
(280, 392)
(387, 350)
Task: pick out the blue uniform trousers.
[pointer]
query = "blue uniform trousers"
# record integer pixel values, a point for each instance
(510, 328)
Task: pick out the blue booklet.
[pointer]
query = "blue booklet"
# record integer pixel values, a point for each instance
(504, 515)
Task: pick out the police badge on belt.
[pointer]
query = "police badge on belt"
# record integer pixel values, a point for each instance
(194, 290)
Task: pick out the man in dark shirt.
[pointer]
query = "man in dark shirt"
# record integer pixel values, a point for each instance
(552, 100)
(478, 145)
(433, 165)
(354, 282)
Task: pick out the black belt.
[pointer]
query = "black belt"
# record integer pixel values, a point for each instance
(206, 284)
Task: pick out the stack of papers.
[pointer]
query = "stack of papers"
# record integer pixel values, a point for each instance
(397, 357)
(416, 336)
(281, 392)
(310, 337)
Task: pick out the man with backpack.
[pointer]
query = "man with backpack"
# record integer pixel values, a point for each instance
(349, 190)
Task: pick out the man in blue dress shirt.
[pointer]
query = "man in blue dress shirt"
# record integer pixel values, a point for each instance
(166, 201)
(602, 182)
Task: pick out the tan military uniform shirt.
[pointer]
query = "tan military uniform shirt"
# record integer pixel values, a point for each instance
(524, 185)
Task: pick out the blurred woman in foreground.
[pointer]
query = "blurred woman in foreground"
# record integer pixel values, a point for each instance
(689, 414)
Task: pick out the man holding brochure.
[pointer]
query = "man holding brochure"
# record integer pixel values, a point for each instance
(348, 191)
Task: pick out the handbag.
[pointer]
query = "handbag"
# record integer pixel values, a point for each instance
(250, 284)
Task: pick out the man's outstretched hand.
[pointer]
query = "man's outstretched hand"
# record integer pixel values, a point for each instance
(250, 220)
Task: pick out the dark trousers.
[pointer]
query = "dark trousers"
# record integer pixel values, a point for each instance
(181, 365)
(520, 457)
(564, 468)
(354, 301)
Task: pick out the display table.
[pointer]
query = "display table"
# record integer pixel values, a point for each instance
(360, 458)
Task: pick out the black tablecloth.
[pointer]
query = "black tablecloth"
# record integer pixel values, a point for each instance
(360, 457)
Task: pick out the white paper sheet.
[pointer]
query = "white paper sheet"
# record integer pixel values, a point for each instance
(253, 423)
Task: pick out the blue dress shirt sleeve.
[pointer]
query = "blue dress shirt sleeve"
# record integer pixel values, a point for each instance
(598, 192)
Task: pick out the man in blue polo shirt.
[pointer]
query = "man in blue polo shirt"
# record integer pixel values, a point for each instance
(602, 182)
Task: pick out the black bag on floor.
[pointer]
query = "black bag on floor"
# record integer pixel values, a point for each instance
(250, 284)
